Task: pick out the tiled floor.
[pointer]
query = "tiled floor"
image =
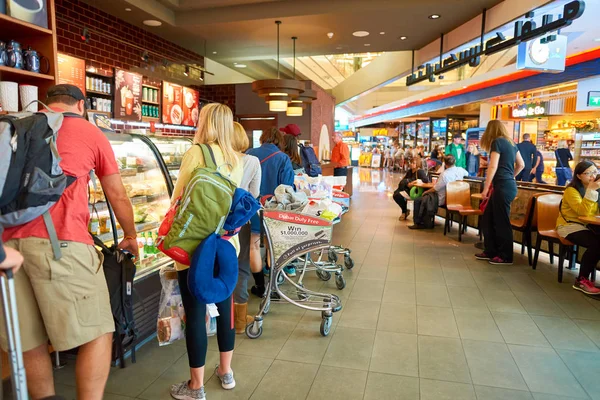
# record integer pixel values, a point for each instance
(422, 319)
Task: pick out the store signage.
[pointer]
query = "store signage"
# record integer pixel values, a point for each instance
(180, 105)
(537, 55)
(380, 132)
(594, 99)
(524, 31)
(71, 70)
(128, 93)
(529, 110)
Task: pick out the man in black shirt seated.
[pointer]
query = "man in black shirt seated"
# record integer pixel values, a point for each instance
(529, 153)
(410, 179)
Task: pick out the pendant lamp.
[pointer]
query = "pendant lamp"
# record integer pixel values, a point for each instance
(294, 107)
(278, 92)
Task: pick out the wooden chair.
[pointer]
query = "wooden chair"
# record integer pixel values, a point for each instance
(526, 225)
(547, 210)
(458, 201)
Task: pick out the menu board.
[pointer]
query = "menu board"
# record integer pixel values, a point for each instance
(190, 106)
(180, 105)
(71, 70)
(128, 93)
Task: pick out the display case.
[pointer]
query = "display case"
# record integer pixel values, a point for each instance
(587, 147)
(144, 178)
(172, 150)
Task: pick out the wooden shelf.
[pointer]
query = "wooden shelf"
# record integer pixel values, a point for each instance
(109, 77)
(150, 119)
(151, 102)
(98, 93)
(151, 87)
(22, 75)
(15, 28)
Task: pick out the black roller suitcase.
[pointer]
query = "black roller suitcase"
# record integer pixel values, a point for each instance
(15, 353)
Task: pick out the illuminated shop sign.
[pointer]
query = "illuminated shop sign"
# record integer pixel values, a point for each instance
(594, 99)
(529, 110)
(524, 31)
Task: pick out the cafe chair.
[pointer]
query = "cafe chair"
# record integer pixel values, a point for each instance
(526, 225)
(547, 209)
(458, 202)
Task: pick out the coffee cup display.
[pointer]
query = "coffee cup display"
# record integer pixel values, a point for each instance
(26, 10)
(123, 93)
(129, 102)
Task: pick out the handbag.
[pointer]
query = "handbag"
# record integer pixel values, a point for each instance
(565, 172)
(485, 201)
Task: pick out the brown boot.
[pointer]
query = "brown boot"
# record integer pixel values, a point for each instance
(241, 317)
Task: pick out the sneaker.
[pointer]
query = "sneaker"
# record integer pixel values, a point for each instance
(482, 256)
(227, 380)
(585, 286)
(499, 261)
(258, 291)
(290, 271)
(182, 391)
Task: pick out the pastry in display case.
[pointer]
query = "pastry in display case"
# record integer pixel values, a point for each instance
(172, 150)
(147, 188)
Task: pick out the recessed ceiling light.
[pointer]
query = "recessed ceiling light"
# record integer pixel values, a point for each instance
(360, 33)
(152, 22)
(128, 9)
(234, 63)
(367, 44)
(240, 65)
(330, 35)
(214, 52)
(403, 38)
(434, 16)
(464, 87)
(382, 33)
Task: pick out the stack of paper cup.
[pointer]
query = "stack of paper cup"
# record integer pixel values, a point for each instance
(9, 96)
(28, 95)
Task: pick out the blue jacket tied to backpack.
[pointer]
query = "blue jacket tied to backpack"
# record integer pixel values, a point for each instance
(276, 168)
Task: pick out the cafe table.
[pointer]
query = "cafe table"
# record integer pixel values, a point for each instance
(591, 220)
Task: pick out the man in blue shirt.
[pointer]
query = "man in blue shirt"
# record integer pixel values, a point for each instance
(529, 153)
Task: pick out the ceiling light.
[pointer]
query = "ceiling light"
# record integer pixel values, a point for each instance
(152, 22)
(128, 9)
(338, 48)
(403, 38)
(240, 65)
(464, 87)
(360, 33)
(434, 16)
(330, 35)
(382, 33)
(294, 111)
(214, 52)
(186, 72)
(278, 105)
(367, 44)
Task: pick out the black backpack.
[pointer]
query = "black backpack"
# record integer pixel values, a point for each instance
(119, 271)
(31, 179)
(310, 162)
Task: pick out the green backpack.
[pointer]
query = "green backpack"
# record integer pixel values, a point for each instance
(201, 211)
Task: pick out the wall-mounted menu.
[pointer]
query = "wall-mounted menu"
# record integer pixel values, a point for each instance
(190, 106)
(71, 70)
(128, 93)
(180, 105)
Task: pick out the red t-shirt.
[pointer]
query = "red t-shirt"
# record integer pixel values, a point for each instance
(82, 147)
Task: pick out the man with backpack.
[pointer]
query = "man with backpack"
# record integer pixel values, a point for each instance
(340, 156)
(62, 293)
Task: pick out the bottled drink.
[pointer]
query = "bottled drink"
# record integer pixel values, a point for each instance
(145, 243)
(141, 248)
(150, 244)
(155, 237)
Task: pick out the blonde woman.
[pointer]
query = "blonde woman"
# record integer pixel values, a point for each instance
(563, 170)
(500, 189)
(250, 182)
(472, 160)
(215, 129)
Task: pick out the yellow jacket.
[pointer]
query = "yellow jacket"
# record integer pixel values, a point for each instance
(192, 159)
(574, 206)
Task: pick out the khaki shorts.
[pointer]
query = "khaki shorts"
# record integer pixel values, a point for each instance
(65, 301)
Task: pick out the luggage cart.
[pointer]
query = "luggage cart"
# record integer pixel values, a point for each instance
(289, 235)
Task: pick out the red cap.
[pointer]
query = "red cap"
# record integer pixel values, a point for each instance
(291, 129)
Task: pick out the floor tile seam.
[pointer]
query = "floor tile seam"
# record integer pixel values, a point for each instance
(463, 348)
(559, 348)
(159, 376)
(288, 337)
(574, 375)
(261, 379)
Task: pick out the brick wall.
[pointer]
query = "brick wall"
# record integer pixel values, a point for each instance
(103, 49)
(224, 94)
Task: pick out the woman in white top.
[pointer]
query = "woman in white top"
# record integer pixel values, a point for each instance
(215, 129)
(251, 183)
